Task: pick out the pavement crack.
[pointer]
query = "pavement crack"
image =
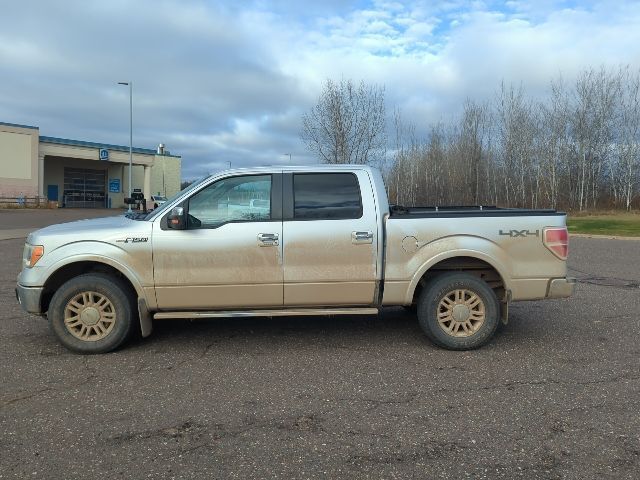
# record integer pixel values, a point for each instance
(378, 402)
(611, 282)
(177, 431)
(605, 281)
(26, 397)
(210, 345)
(197, 447)
(535, 383)
(91, 375)
(433, 449)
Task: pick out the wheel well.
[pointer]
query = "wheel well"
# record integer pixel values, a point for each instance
(471, 265)
(67, 272)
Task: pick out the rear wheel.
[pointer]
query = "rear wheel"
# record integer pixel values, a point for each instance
(458, 311)
(92, 313)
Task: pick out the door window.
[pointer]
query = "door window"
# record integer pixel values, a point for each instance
(234, 199)
(326, 196)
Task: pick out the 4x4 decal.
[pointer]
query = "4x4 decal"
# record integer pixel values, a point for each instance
(520, 233)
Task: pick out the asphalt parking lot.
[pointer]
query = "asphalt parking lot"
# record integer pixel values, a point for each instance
(555, 395)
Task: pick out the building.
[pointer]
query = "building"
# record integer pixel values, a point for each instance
(76, 173)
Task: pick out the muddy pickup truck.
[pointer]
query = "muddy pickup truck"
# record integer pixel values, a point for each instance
(319, 240)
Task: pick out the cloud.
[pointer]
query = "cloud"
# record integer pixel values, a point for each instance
(229, 81)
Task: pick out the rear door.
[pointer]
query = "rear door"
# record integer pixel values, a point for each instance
(329, 239)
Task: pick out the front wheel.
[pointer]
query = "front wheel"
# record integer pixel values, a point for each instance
(91, 313)
(458, 311)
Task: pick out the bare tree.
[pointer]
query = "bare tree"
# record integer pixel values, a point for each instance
(347, 125)
(555, 143)
(627, 169)
(593, 124)
(472, 141)
(577, 148)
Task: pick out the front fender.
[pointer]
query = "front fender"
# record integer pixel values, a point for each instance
(134, 263)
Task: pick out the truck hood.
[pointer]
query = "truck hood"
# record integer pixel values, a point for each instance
(108, 229)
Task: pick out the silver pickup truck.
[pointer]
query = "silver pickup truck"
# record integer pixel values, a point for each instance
(318, 240)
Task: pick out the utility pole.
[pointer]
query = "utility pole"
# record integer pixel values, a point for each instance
(130, 84)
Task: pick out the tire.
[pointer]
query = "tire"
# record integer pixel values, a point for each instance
(99, 309)
(458, 311)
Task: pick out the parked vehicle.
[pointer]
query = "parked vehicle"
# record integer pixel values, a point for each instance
(292, 241)
(157, 200)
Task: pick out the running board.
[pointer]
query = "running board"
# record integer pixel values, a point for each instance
(267, 313)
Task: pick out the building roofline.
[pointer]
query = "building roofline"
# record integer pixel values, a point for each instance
(108, 146)
(7, 124)
(82, 143)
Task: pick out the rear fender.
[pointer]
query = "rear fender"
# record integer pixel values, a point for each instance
(432, 253)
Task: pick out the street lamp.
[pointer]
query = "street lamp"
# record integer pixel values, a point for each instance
(130, 84)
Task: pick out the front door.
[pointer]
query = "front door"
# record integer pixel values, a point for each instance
(229, 257)
(330, 245)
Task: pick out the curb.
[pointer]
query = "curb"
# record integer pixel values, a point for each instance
(602, 237)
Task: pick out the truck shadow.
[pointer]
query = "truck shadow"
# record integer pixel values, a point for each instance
(396, 323)
(393, 326)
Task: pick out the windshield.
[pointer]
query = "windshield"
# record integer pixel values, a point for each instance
(168, 202)
(159, 198)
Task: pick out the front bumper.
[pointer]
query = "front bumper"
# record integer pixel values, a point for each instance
(561, 287)
(29, 298)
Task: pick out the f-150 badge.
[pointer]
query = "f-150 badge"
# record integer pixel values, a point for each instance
(132, 240)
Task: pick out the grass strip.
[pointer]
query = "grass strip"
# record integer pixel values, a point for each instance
(622, 224)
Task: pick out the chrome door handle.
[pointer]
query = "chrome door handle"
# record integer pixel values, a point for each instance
(361, 237)
(268, 239)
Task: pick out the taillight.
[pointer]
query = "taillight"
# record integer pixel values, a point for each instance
(556, 239)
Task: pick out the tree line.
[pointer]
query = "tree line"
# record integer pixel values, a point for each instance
(577, 147)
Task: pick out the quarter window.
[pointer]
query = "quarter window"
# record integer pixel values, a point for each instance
(235, 199)
(326, 196)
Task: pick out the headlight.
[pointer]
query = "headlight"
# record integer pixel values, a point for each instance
(31, 254)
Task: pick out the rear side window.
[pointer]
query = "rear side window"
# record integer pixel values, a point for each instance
(326, 196)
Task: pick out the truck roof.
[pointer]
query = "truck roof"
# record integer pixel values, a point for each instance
(298, 168)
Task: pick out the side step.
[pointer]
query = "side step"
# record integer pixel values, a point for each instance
(267, 313)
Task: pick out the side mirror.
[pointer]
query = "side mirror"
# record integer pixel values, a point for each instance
(176, 220)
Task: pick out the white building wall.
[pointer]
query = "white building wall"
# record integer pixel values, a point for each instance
(18, 161)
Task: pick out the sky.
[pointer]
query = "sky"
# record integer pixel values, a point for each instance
(229, 81)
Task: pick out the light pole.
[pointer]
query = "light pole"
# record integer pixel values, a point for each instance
(130, 84)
